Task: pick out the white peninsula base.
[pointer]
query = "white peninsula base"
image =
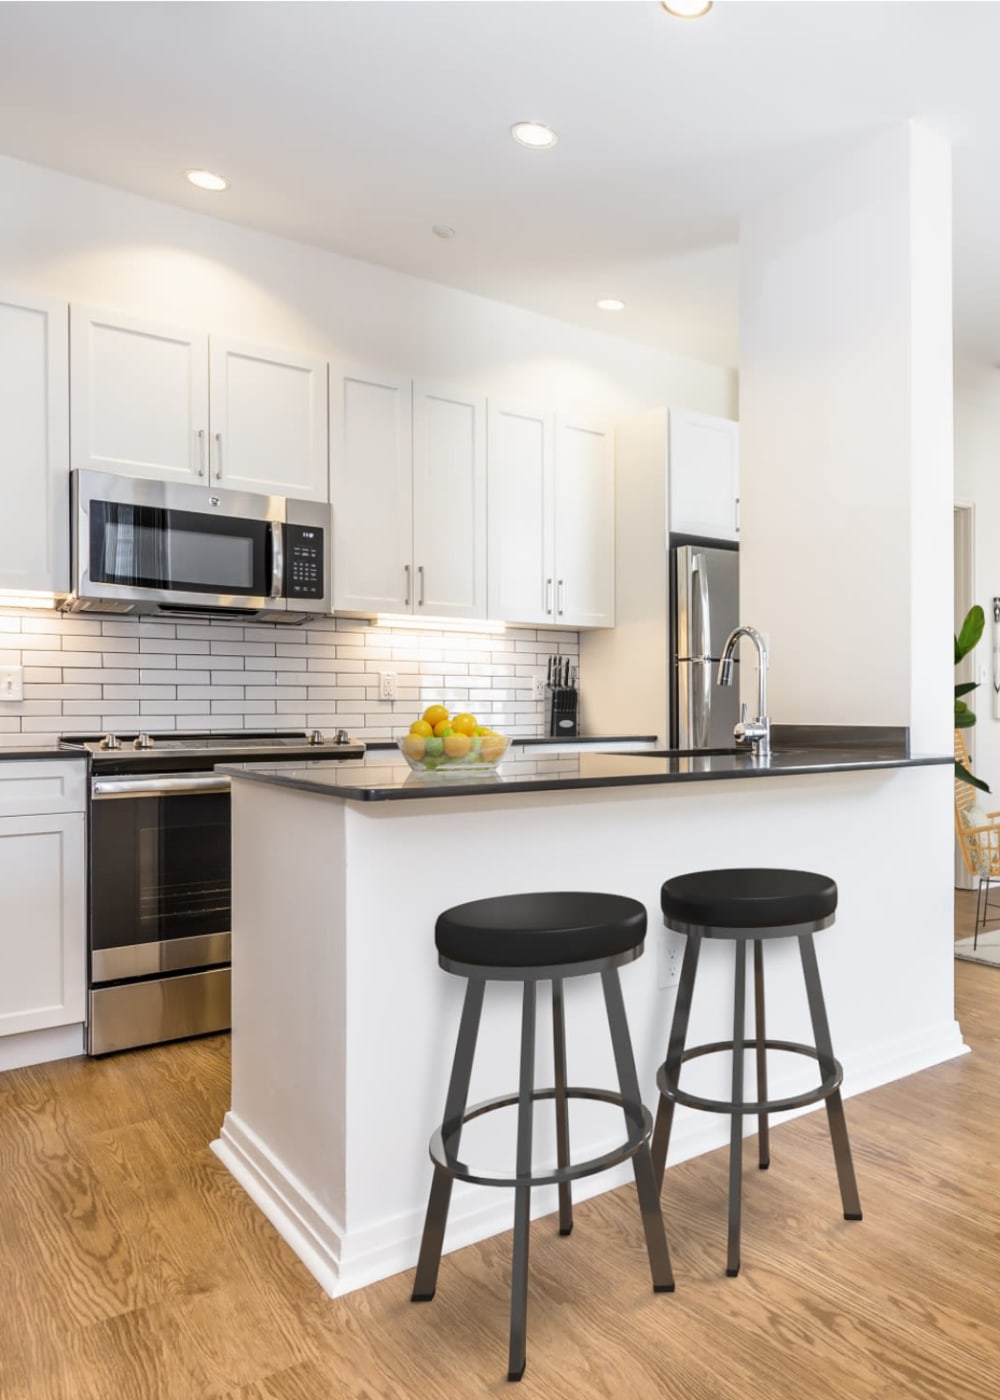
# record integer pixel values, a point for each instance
(344, 1025)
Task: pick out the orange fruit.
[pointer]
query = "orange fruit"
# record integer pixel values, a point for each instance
(421, 727)
(414, 745)
(434, 714)
(493, 747)
(457, 745)
(443, 728)
(465, 723)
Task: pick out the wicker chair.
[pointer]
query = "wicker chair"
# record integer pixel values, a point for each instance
(978, 839)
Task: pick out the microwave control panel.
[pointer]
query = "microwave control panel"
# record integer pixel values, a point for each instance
(303, 561)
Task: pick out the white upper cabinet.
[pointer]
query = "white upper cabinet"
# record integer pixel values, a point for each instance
(34, 449)
(551, 518)
(150, 400)
(267, 411)
(704, 475)
(408, 487)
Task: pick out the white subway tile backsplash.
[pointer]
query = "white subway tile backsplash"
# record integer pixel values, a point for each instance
(88, 675)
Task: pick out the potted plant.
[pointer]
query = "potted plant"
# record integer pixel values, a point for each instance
(968, 637)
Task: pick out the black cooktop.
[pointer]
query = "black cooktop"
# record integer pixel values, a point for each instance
(177, 752)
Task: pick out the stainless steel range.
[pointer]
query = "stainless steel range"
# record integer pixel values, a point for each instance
(159, 890)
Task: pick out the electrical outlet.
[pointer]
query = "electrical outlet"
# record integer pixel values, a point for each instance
(387, 685)
(670, 953)
(538, 686)
(11, 683)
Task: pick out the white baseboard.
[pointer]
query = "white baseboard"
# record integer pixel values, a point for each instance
(342, 1260)
(39, 1047)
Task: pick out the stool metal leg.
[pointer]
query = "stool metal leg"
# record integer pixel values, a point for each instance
(760, 1033)
(675, 1049)
(834, 1103)
(645, 1180)
(562, 1116)
(457, 1097)
(736, 1133)
(522, 1194)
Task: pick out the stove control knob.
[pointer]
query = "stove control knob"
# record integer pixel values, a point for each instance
(316, 738)
(110, 741)
(341, 737)
(142, 741)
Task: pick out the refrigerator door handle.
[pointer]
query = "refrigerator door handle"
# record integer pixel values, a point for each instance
(701, 702)
(703, 643)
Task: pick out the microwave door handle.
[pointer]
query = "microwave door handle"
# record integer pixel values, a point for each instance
(277, 558)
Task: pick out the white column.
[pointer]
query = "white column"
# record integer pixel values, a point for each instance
(846, 438)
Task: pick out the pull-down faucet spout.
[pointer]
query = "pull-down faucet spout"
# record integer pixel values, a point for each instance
(757, 732)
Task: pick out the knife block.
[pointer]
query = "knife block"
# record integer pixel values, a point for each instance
(562, 711)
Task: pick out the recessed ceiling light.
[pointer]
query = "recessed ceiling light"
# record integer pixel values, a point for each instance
(207, 180)
(443, 230)
(611, 304)
(687, 9)
(534, 134)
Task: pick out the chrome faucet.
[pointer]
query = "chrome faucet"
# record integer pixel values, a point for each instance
(755, 732)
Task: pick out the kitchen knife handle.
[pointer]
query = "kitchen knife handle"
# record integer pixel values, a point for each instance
(548, 595)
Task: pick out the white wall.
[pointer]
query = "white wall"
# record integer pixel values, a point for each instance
(846, 438)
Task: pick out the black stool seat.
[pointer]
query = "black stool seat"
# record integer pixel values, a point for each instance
(752, 906)
(540, 930)
(721, 901)
(530, 938)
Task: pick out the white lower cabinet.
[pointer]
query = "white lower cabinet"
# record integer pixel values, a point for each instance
(43, 883)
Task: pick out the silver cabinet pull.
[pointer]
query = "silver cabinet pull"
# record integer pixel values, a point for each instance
(218, 456)
(420, 579)
(548, 595)
(736, 515)
(201, 451)
(562, 598)
(406, 571)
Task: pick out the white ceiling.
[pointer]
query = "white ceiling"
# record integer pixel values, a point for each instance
(357, 126)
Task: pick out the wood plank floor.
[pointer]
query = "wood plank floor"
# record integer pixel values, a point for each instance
(132, 1267)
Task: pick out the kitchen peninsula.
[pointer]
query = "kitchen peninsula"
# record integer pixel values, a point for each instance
(343, 1022)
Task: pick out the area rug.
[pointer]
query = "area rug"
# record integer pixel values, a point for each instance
(987, 952)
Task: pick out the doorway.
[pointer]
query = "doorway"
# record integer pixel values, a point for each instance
(965, 579)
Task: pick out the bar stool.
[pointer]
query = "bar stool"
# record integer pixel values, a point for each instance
(752, 906)
(530, 938)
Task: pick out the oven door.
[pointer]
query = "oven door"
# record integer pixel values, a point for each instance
(160, 876)
(160, 544)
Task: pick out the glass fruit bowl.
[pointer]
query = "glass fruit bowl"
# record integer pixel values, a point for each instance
(483, 754)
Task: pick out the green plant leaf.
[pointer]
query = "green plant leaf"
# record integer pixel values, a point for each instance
(972, 630)
(964, 719)
(964, 776)
(965, 688)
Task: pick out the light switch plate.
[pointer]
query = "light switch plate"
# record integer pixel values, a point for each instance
(670, 952)
(11, 683)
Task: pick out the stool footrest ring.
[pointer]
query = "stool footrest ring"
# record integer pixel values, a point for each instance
(640, 1129)
(673, 1092)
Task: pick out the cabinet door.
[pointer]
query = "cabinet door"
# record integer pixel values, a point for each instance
(138, 397)
(34, 445)
(584, 524)
(704, 475)
(267, 414)
(371, 492)
(520, 480)
(43, 931)
(449, 502)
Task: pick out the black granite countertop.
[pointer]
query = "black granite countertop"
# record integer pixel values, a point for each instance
(51, 750)
(382, 775)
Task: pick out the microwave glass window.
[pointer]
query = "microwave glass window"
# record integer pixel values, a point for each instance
(150, 547)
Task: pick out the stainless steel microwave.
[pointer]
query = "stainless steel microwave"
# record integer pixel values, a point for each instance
(160, 547)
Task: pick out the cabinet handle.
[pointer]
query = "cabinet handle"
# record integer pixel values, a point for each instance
(562, 598)
(201, 451)
(218, 456)
(420, 577)
(406, 571)
(736, 515)
(548, 595)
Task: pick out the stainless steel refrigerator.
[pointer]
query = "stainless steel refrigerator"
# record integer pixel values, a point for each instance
(705, 597)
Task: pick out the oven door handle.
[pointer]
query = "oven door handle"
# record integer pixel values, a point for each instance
(105, 788)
